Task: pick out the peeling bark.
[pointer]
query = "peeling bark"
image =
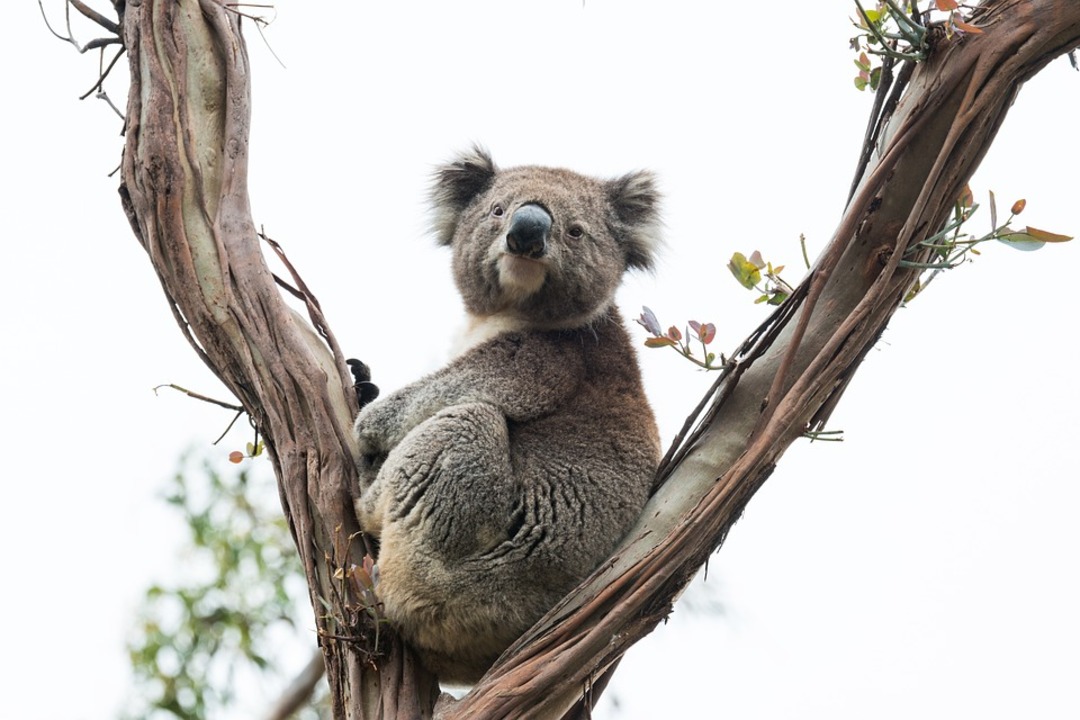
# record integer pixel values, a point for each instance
(185, 192)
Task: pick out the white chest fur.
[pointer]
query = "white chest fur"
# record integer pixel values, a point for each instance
(480, 329)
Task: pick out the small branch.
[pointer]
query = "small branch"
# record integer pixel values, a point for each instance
(300, 690)
(102, 74)
(197, 396)
(873, 124)
(239, 410)
(92, 15)
(97, 17)
(108, 101)
(315, 312)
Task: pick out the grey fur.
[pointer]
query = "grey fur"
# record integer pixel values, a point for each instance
(498, 482)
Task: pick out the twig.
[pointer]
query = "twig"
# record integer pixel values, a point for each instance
(90, 14)
(300, 690)
(197, 396)
(315, 313)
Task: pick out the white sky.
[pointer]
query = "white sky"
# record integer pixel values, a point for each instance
(925, 567)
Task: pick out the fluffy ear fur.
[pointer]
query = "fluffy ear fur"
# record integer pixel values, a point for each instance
(455, 185)
(636, 201)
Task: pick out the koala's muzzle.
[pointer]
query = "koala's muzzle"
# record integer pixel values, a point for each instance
(529, 230)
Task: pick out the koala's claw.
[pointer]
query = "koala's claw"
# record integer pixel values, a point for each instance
(366, 391)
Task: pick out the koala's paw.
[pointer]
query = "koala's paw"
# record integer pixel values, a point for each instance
(371, 446)
(366, 391)
(378, 430)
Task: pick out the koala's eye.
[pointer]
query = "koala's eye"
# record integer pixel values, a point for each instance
(497, 210)
(576, 231)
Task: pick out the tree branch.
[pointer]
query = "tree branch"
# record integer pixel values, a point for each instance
(185, 192)
(929, 147)
(300, 690)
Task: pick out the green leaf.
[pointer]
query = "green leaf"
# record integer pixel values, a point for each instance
(778, 297)
(1031, 238)
(875, 78)
(745, 272)
(1021, 241)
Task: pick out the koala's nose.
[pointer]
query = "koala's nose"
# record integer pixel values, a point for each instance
(529, 229)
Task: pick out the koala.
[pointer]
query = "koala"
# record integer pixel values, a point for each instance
(497, 483)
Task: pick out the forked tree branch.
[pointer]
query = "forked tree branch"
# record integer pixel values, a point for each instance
(185, 191)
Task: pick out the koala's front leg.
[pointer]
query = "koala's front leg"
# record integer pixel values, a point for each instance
(449, 487)
(381, 426)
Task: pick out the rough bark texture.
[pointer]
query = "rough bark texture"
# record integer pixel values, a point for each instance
(185, 191)
(184, 188)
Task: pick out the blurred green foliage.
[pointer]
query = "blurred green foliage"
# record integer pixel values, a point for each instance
(235, 610)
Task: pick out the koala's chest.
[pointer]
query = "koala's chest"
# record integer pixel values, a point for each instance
(478, 329)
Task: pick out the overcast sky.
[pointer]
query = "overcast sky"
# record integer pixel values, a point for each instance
(925, 567)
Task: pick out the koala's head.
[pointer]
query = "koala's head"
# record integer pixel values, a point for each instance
(541, 244)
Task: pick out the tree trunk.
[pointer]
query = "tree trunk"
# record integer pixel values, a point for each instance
(185, 191)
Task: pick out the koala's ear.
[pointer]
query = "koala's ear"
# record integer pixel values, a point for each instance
(636, 202)
(454, 186)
